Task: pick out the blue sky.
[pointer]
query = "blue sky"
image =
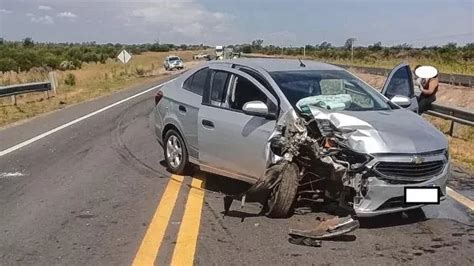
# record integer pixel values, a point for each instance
(280, 22)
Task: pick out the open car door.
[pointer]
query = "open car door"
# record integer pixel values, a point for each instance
(400, 83)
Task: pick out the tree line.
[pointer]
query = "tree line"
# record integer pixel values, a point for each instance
(448, 53)
(27, 54)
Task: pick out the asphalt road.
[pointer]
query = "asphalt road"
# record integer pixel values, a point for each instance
(96, 193)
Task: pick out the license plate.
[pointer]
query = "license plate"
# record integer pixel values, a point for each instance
(422, 195)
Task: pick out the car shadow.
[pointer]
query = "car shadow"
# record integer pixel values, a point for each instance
(393, 219)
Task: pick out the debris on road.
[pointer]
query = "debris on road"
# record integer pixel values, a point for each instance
(327, 229)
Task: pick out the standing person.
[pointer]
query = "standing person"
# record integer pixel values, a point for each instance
(427, 79)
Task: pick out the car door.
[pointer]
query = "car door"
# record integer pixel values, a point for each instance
(400, 82)
(231, 142)
(187, 105)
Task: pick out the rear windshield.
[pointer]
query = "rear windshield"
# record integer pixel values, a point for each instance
(174, 59)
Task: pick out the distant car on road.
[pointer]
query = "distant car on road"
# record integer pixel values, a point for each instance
(304, 131)
(173, 62)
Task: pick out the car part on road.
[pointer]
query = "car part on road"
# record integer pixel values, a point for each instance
(327, 229)
(175, 152)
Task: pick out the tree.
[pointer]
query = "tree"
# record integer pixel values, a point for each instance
(325, 45)
(349, 43)
(28, 42)
(257, 44)
(247, 49)
(376, 46)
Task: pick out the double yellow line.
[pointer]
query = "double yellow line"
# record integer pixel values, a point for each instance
(188, 232)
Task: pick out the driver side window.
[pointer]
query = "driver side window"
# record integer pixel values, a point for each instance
(243, 91)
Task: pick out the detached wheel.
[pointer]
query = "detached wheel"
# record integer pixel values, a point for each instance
(176, 154)
(282, 197)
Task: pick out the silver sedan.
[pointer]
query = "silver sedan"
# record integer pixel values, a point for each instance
(303, 131)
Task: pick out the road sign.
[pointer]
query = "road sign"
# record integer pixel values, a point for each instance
(124, 56)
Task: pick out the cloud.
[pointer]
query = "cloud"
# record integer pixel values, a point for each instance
(47, 20)
(29, 14)
(5, 11)
(44, 8)
(67, 14)
(187, 19)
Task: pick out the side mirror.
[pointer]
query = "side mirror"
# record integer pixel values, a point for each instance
(256, 108)
(401, 101)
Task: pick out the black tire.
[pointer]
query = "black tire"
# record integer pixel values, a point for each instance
(183, 166)
(281, 199)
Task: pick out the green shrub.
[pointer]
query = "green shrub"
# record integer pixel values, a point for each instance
(140, 71)
(70, 79)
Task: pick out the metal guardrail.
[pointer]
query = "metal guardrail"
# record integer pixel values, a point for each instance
(13, 90)
(455, 114)
(25, 88)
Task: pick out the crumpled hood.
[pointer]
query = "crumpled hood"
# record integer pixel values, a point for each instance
(392, 131)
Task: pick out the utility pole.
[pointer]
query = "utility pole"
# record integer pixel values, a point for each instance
(304, 51)
(352, 48)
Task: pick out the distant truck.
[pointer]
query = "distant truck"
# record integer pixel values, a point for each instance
(220, 52)
(223, 52)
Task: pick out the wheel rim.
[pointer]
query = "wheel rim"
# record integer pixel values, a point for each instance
(174, 152)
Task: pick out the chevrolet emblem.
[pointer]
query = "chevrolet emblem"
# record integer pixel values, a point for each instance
(417, 159)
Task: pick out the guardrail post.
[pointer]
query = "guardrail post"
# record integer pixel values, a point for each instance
(451, 127)
(13, 97)
(52, 79)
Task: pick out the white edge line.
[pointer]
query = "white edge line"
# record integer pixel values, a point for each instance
(54, 130)
(460, 198)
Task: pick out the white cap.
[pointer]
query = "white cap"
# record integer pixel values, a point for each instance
(426, 72)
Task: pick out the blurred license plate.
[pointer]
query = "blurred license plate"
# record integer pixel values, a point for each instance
(422, 195)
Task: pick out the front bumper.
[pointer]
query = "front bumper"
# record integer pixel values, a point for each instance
(173, 66)
(383, 197)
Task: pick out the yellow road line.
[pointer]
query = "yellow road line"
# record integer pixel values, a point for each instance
(188, 232)
(460, 198)
(156, 230)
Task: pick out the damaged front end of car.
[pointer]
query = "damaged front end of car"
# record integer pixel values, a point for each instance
(310, 160)
(329, 169)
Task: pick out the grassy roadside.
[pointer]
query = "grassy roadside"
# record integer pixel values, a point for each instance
(461, 145)
(91, 81)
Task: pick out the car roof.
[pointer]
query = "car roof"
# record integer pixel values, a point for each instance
(276, 64)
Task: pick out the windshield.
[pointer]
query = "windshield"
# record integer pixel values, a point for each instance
(335, 90)
(174, 59)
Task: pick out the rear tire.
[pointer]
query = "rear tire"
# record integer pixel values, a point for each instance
(281, 199)
(175, 152)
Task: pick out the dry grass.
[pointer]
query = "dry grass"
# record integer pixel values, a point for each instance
(92, 80)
